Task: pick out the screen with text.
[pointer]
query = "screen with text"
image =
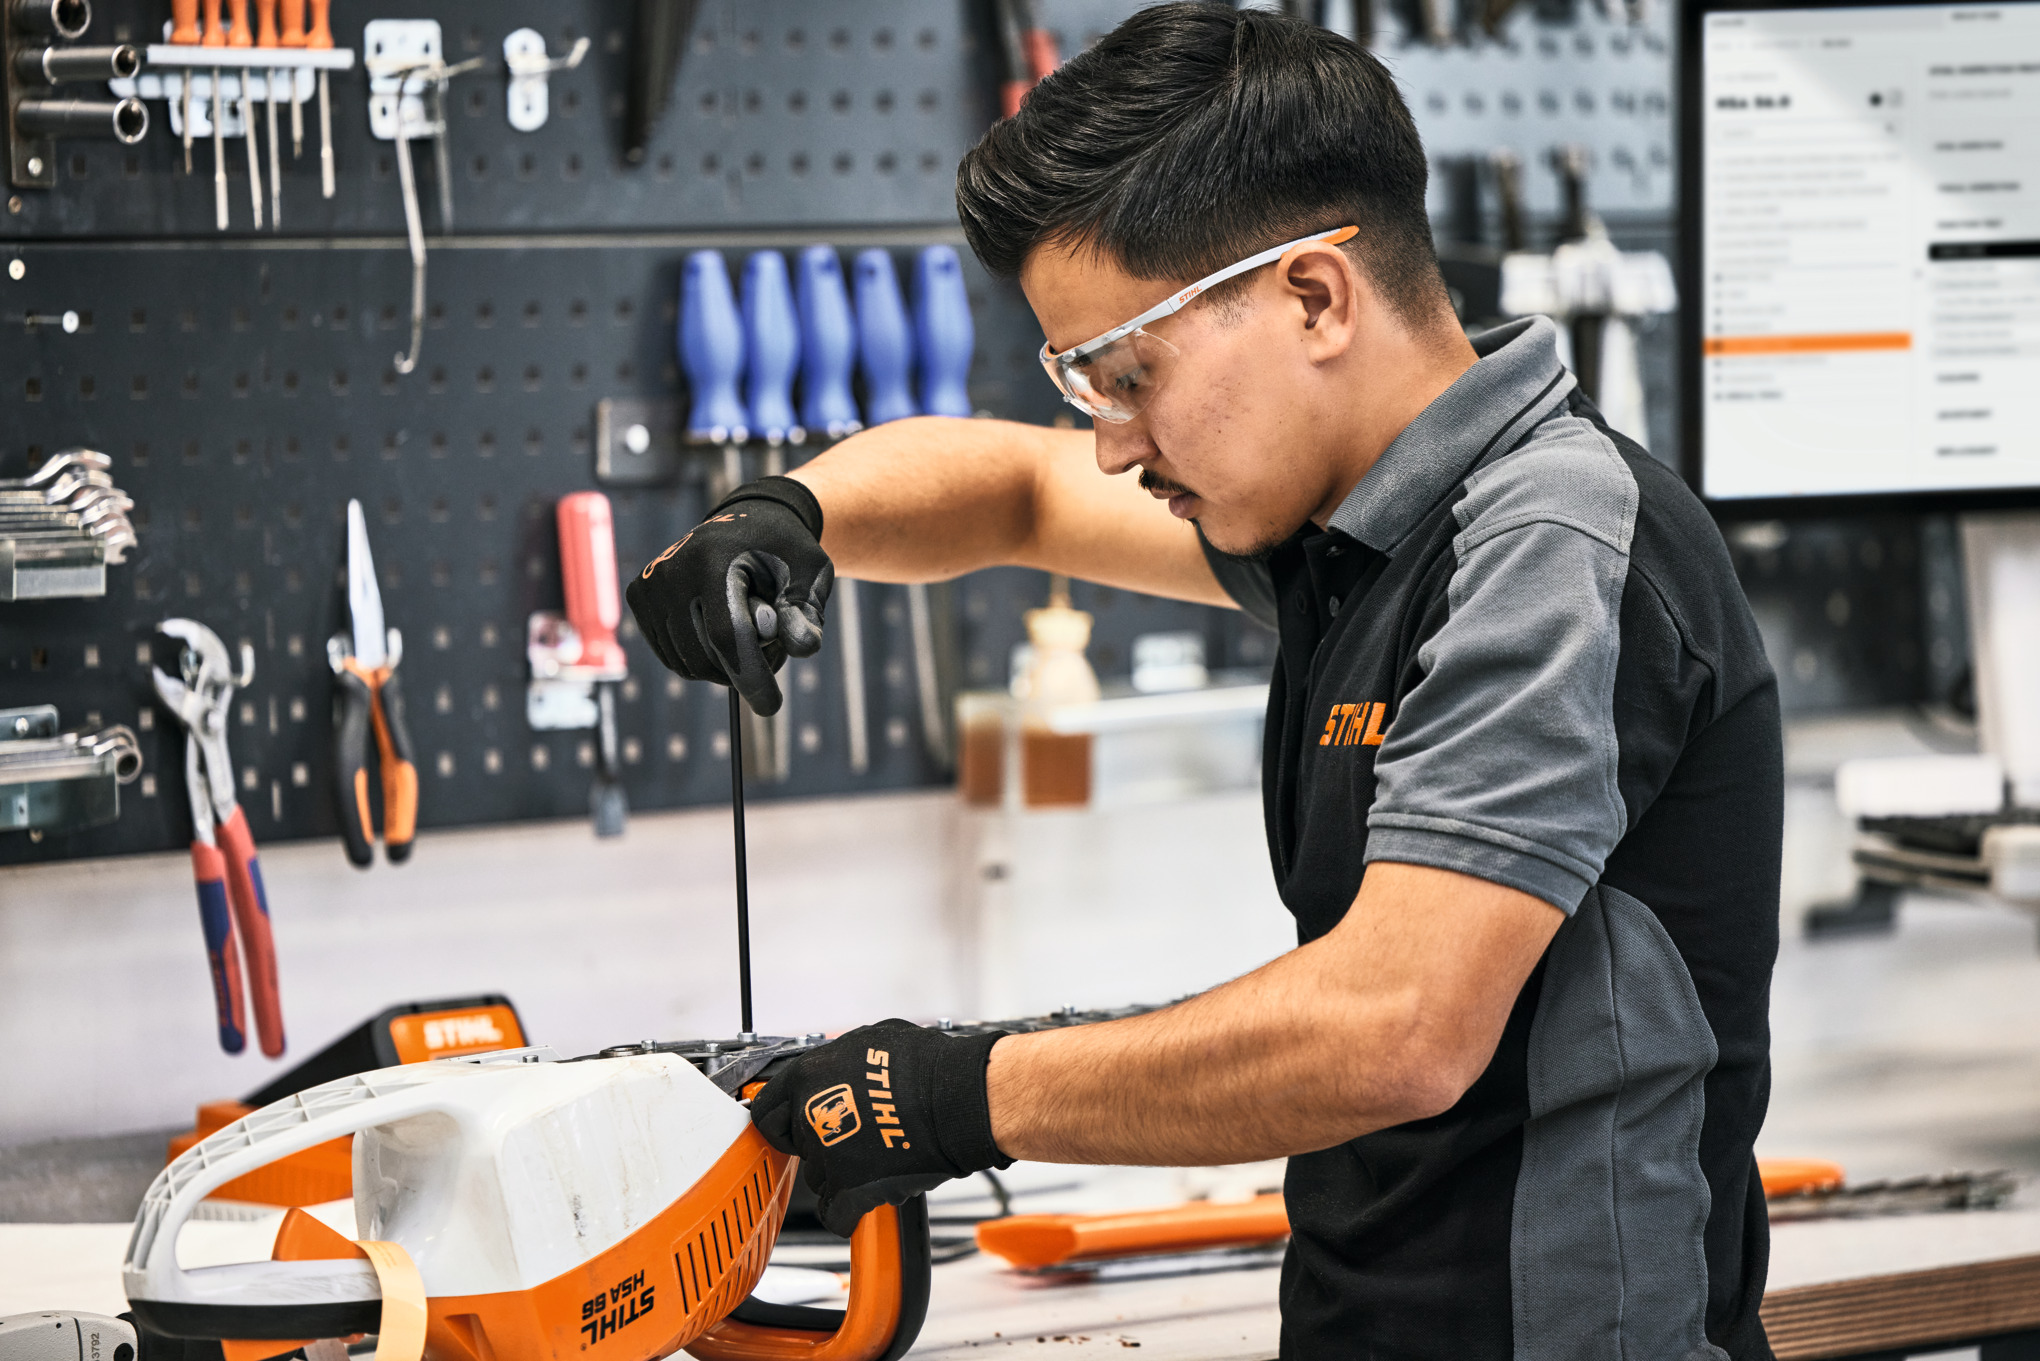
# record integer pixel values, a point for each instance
(1870, 252)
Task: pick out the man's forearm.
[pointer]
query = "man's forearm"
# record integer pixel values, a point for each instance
(931, 498)
(1387, 1019)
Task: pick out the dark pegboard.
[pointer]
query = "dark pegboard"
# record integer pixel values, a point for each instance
(786, 112)
(245, 393)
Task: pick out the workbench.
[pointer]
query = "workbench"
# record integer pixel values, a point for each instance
(1889, 1287)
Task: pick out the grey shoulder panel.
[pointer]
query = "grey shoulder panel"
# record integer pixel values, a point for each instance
(1606, 1254)
(1247, 580)
(1502, 760)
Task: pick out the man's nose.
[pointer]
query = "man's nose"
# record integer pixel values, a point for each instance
(1122, 447)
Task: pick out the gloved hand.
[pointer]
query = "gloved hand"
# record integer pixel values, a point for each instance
(742, 592)
(882, 1114)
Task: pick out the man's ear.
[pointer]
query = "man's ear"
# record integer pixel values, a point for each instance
(1326, 289)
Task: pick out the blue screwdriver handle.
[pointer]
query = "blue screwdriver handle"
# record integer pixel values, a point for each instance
(772, 333)
(885, 340)
(712, 350)
(943, 332)
(828, 345)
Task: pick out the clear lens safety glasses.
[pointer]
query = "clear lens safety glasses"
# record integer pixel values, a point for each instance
(1114, 376)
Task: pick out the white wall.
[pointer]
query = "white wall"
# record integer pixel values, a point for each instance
(861, 908)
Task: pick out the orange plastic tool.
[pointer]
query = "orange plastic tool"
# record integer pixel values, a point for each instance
(1033, 1241)
(321, 33)
(1788, 1176)
(184, 22)
(293, 34)
(215, 25)
(243, 32)
(588, 566)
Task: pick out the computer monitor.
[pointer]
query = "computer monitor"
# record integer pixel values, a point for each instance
(1860, 254)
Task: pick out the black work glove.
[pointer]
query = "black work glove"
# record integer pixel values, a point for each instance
(742, 592)
(882, 1114)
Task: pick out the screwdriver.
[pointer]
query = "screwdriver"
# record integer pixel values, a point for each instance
(184, 33)
(320, 38)
(828, 347)
(294, 36)
(945, 339)
(772, 355)
(885, 354)
(215, 36)
(712, 353)
(266, 36)
(243, 36)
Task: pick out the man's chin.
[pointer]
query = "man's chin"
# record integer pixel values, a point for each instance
(1241, 540)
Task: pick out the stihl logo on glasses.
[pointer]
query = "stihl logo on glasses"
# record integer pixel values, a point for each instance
(833, 1114)
(1354, 725)
(882, 1113)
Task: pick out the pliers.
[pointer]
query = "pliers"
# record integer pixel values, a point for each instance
(231, 899)
(364, 661)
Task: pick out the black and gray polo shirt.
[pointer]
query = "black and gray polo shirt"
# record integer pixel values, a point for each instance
(1518, 651)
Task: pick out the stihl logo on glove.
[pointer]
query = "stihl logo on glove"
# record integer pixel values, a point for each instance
(882, 1113)
(834, 1114)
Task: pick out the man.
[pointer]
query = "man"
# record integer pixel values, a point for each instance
(1522, 766)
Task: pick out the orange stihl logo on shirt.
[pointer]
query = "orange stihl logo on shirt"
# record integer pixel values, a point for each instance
(1354, 725)
(882, 1113)
(833, 1114)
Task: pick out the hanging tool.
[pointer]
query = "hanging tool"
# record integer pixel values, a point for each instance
(320, 37)
(184, 32)
(293, 35)
(772, 355)
(828, 349)
(885, 353)
(660, 29)
(216, 104)
(267, 36)
(371, 700)
(712, 348)
(231, 900)
(945, 340)
(1027, 51)
(594, 608)
(243, 35)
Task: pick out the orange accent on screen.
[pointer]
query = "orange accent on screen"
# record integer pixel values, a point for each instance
(1839, 343)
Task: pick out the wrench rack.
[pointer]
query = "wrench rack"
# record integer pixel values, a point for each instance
(243, 386)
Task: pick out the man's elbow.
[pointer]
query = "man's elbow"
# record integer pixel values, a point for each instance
(1437, 1059)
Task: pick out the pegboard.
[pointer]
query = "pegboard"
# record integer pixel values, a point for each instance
(785, 113)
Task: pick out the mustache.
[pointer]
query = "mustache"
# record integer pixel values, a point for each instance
(1152, 481)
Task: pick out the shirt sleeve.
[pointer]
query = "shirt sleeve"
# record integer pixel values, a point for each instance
(1247, 580)
(1501, 760)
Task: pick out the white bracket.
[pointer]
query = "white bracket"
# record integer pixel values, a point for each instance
(393, 52)
(528, 103)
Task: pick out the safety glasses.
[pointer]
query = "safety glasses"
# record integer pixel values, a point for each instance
(1114, 376)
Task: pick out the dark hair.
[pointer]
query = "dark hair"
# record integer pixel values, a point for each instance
(1195, 134)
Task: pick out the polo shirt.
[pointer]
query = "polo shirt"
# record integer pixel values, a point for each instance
(1518, 651)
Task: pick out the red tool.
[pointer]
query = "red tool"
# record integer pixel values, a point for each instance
(1029, 52)
(594, 608)
(231, 899)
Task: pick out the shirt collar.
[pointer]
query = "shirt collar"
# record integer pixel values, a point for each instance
(1515, 383)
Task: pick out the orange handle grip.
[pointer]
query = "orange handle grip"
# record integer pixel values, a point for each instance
(588, 569)
(184, 22)
(399, 774)
(871, 1316)
(241, 36)
(321, 34)
(1788, 1176)
(1047, 1240)
(215, 25)
(265, 23)
(250, 903)
(293, 23)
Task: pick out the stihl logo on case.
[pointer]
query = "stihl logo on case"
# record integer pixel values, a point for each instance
(833, 1114)
(1354, 725)
(458, 1032)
